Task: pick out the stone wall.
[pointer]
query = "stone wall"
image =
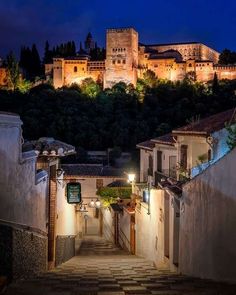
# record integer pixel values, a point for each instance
(65, 248)
(23, 253)
(121, 56)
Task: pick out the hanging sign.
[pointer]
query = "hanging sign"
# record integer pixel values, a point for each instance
(73, 192)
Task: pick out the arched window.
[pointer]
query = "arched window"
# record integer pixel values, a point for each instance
(190, 65)
(75, 69)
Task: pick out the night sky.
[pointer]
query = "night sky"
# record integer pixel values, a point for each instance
(23, 22)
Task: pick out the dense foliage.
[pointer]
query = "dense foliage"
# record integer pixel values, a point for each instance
(110, 195)
(91, 118)
(30, 63)
(227, 57)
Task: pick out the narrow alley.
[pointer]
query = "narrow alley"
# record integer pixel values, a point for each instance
(101, 268)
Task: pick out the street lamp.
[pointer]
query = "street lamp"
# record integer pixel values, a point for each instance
(131, 179)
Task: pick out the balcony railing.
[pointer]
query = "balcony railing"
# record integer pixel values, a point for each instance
(164, 174)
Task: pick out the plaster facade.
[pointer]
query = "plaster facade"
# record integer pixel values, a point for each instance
(158, 229)
(25, 201)
(90, 222)
(23, 210)
(207, 222)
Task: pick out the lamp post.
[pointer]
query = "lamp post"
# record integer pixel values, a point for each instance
(131, 179)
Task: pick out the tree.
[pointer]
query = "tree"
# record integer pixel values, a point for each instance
(90, 88)
(231, 140)
(150, 78)
(191, 76)
(227, 57)
(24, 85)
(13, 73)
(36, 68)
(47, 54)
(215, 84)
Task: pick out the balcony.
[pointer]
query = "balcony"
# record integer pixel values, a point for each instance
(164, 174)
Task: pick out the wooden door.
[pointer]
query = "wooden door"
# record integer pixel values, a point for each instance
(183, 156)
(172, 166)
(132, 234)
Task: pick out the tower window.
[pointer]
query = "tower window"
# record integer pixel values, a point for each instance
(75, 69)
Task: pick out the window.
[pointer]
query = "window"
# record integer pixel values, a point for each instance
(146, 195)
(96, 213)
(118, 61)
(209, 155)
(159, 161)
(99, 183)
(124, 61)
(75, 69)
(183, 156)
(113, 62)
(150, 165)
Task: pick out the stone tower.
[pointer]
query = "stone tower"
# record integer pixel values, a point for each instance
(121, 56)
(89, 43)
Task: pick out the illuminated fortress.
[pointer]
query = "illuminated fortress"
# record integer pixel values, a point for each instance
(127, 60)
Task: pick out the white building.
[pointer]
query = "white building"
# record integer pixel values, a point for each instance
(91, 177)
(23, 209)
(165, 164)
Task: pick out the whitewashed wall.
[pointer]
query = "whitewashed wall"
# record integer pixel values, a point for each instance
(124, 227)
(207, 222)
(66, 216)
(22, 193)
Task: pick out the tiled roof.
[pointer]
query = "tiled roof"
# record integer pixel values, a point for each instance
(9, 114)
(119, 183)
(92, 170)
(169, 44)
(208, 125)
(164, 139)
(168, 54)
(48, 146)
(148, 145)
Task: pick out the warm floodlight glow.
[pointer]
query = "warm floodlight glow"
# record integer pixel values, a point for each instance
(98, 203)
(131, 177)
(92, 204)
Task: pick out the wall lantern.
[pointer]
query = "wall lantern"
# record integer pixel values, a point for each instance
(82, 208)
(96, 204)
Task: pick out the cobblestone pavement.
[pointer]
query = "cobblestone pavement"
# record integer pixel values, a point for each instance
(102, 269)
